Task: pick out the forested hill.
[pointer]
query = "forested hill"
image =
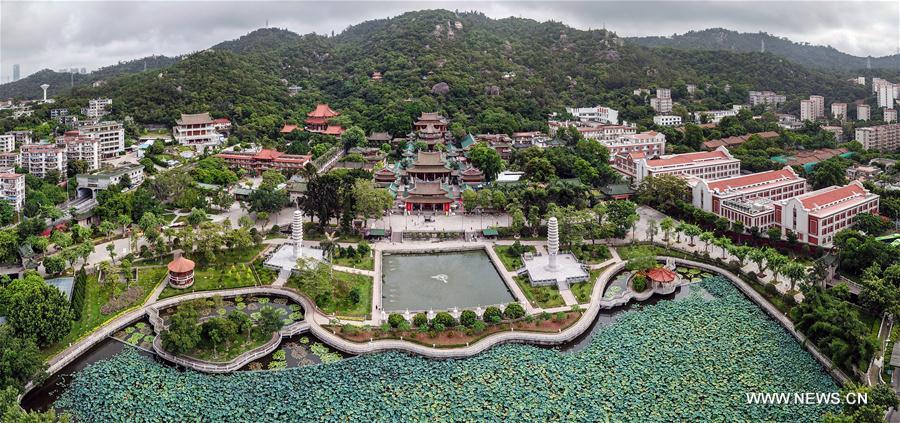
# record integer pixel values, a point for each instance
(485, 74)
(822, 57)
(60, 82)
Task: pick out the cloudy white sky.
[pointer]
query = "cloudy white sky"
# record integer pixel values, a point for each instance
(65, 34)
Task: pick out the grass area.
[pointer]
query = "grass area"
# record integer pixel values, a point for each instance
(340, 302)
(95, 296)
(243, 255)
(540, 296)
(507, 255)
(265, 275)
(365, 263)
(582, 290)
(224, 276)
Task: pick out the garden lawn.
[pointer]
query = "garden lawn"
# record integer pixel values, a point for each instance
(95, 296)
(341, 304)
(223, 276)
(364, 263)
(591, 253)
(690, 360)
(582, 290)
(540, 296)
(510, 261)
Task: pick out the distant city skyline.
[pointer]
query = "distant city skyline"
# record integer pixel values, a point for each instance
(63, 35)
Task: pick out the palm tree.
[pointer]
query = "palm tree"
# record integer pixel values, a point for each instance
(329, 244)
(652, 229)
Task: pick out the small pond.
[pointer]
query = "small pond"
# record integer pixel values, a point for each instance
(441, 281)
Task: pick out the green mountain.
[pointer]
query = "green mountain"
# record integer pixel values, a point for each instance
(822, 57)
(60, 82)
(487, 75)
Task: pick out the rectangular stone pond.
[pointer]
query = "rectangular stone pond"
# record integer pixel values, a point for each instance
(441, 281)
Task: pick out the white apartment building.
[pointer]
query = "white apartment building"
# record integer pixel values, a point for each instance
(863, 112)
(663, 93)
(595, 114)
(651, 143)
(89, 184)
(97, 107)
(12, 188)
(881, 137)
(84, 148)
(807, 110)
(21, 137)
(661, 105)
(40, 159)
(667, 120)
(748, 198)
(711, 165)
(12, 160)
(886, 95)
(839, 110)
(768, 98)
(196, 130)
(606, 132)
(715, 116)
(818, 106)
(111, 135)
(7, 143)
(890, 115)
(816, 216)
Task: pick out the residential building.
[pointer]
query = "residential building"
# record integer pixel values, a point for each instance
(890, 115)
(97, 107)
(82, 147)
(222, 125)
(21, 137)
(863, 173)
(663, 93)
(661, 105)
(667, 120)
(40, 159)
(12, 160)
(599, 132)
(818, 106)
(886, 95)
(90, 183)
(863, 112)
(859, 80)
(12, 188)
(110, 134)
(807, 110)
(711, 165)
(771, 185)
(691, 89)
(881, 137)
(196, 130)
(7, 143)
(651, 143)
(767, 98)
(839, 110)
(595, 114)
(715, 116)
(815, 217)
(787, 121)
(837, 131)
(265, 159)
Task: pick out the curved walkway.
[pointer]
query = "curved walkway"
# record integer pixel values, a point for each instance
(331, 339)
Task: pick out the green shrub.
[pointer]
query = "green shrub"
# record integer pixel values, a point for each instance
(395, 319)
(404, 326)
(468, 318)
(438, 327)
(478, 326)
(445, 319)
(561, 315)
(544, 315)
(349, 329)
(492, 314)
(639, 283)
(420, 320)
(514, 311)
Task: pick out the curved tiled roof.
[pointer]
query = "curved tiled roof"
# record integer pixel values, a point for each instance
(181, 265)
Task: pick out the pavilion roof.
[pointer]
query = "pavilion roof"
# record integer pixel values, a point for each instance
(181, 265)
(323, 111)
(661, 274)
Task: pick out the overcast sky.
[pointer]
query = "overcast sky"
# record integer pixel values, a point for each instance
(67, 34)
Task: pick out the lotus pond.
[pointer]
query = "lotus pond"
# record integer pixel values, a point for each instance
(686, 360)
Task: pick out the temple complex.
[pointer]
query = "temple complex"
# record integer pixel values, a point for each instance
(429, 166)
(431, 129)
(428, 196)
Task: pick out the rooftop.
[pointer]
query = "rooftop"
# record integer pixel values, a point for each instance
(323, 111)
(194, 119)
(753, 180)
(690, 158)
